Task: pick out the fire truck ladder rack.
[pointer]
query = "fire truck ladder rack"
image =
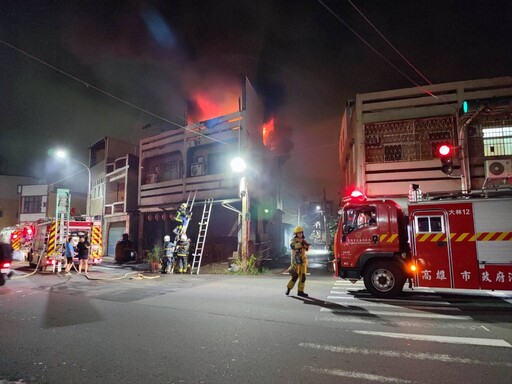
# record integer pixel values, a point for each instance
(61, 232)
(201, 237)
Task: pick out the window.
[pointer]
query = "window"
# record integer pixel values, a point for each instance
(170, 171)
(32, 204)
(429, 224)
(497, 141)
(360, 217)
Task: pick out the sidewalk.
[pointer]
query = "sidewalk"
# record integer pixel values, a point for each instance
(271, 266)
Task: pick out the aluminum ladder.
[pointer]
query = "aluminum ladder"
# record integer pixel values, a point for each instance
(201, 236)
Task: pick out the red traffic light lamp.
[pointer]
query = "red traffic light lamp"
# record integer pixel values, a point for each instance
(446, 152)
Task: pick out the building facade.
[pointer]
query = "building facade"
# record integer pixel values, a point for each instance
(195, 161)
(389, 139)
(113, 192)
(10, 190)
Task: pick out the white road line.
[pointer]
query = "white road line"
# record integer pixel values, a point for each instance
(363, 304)
(400, 323)
(403, 355)
(399, 314)
(345, 297)
(440, 339)
(357, 375)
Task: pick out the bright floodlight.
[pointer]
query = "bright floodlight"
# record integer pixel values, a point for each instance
(238, 165)
(317, 207)
(60, 153)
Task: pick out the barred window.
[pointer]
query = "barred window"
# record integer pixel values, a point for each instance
(32, 204)
(497, 141)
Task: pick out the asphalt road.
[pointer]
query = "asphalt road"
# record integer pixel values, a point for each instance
(244, 329)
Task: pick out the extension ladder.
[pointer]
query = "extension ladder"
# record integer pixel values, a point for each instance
(201, 236)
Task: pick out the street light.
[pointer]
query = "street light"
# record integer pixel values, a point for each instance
(62, 154)
(238, 165)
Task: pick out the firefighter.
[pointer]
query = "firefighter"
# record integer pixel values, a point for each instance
(181, 217)
(299, 262)
(168, 259)
(182, 253)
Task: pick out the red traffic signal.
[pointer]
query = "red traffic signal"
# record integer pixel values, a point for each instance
(445, 150)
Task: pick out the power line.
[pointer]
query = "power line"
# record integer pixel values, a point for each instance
(375, 50)
(389, 42)
(107, 93)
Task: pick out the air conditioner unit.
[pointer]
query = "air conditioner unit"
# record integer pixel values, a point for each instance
(197, 169)
(497, 169)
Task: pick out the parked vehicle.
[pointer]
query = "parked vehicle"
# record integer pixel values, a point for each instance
(5, 261)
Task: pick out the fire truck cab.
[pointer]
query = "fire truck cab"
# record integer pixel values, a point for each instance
(459, 242)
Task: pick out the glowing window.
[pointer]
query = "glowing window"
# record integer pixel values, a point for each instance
(497, 141)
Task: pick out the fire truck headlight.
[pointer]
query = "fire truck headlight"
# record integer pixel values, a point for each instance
(412, 267)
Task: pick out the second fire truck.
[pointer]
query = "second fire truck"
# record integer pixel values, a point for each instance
(459, 242)
(50, 236)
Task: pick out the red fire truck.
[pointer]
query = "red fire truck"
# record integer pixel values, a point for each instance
(50, 235)
(459, 242)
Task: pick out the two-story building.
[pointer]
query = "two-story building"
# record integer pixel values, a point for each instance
(389, 139)
(10, 192)
(195, 159)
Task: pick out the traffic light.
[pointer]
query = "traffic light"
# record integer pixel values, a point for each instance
(445, 152)
(471, 106)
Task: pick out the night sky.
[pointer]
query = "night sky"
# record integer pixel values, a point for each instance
(303, 61)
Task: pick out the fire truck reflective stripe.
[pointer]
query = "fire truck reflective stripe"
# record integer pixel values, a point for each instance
(392, 238)
(387, 238)
(462, 236)
(439, 237)
(96, 241)
(52, 238)
(502, 236)
(424, 237)
(16, 243)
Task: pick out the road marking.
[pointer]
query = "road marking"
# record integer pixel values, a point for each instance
(383, 305)
(342, 297)
(400, 323)
(445, 358)
(349, 311)
(441, 339)
(357, 375)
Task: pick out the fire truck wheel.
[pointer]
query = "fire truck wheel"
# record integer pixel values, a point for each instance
(384, 279)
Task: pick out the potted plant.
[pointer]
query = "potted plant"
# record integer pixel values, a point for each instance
(153, 257)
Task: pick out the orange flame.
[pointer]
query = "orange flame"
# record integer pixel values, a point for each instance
(268, 130)
(214, 103)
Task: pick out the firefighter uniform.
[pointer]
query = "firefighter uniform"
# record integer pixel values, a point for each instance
(182, 218)
(299, 262)
(168, 259)
(182, 253)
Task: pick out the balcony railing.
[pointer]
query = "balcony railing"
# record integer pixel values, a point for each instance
(114, 208)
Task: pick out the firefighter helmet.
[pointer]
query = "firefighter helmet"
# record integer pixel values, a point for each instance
(183, 205)
(167, 238)
(297, 230)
